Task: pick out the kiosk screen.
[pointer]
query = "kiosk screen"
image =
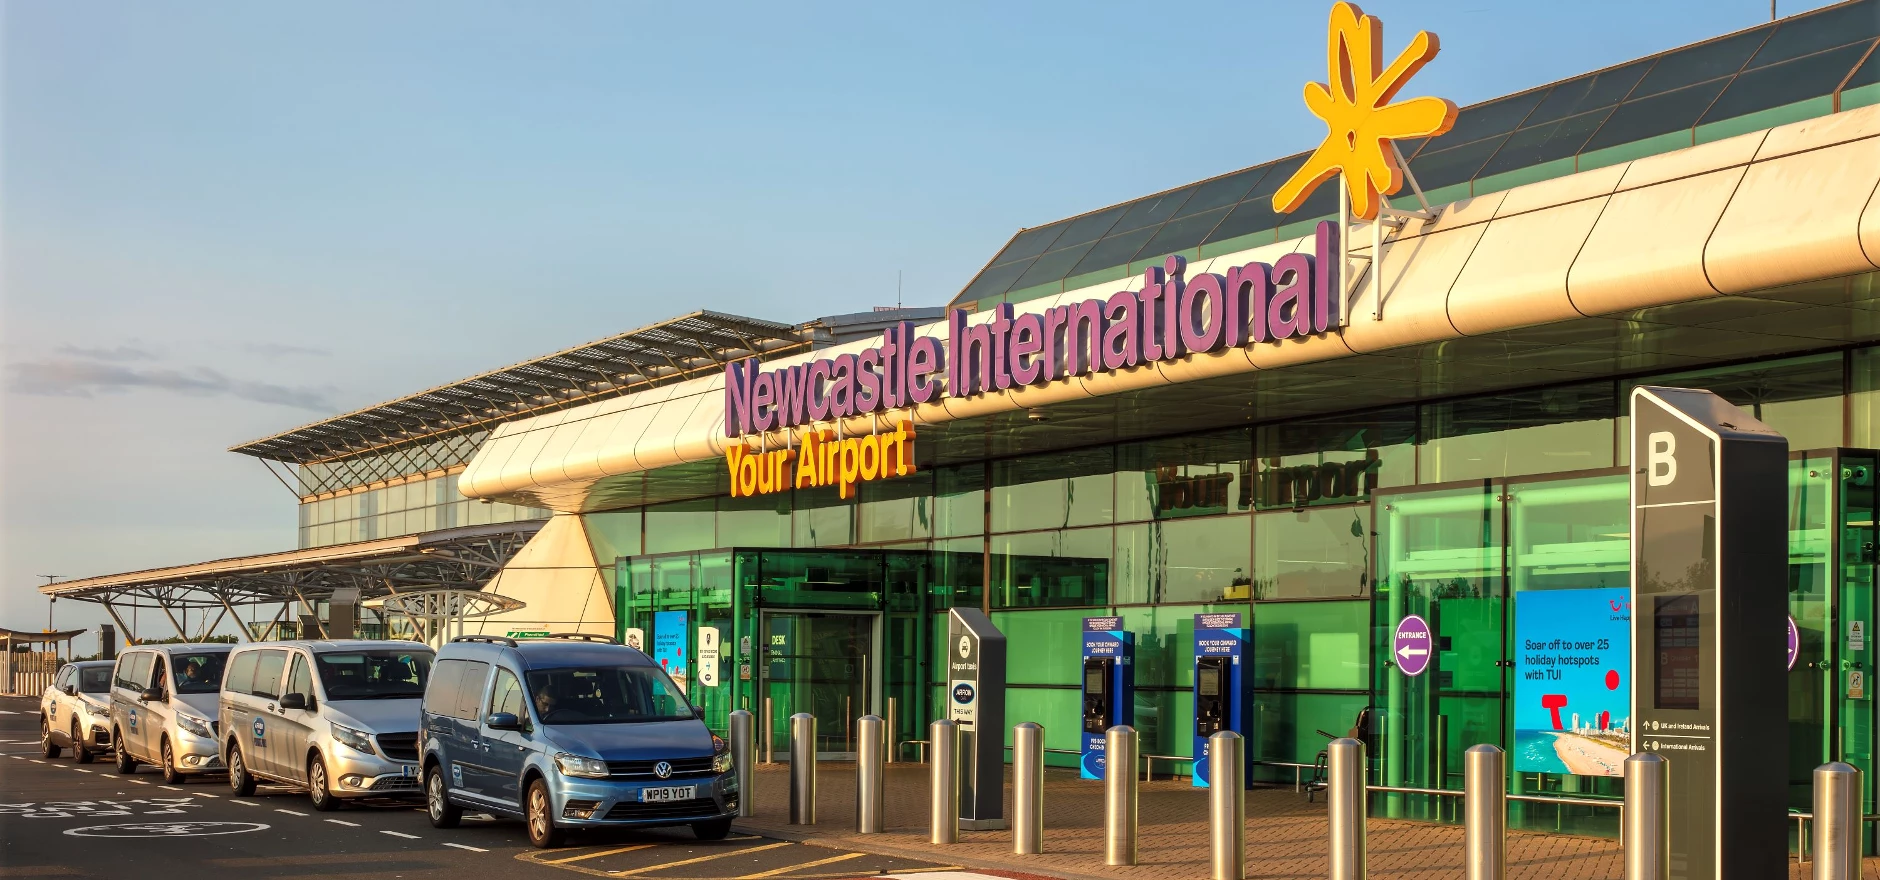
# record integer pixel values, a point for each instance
(1675, 679)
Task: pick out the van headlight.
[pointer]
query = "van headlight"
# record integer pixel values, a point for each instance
(721, 762)
(355, 739)
(575, 765)
(194, 725)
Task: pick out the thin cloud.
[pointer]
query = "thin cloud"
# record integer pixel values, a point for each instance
(76, 378)
(282, 349)
(118, 354)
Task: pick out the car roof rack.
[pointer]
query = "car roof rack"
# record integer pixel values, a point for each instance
(491, 640)
(585, 637)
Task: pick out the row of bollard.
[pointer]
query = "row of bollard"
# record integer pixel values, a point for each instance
(1645, 819)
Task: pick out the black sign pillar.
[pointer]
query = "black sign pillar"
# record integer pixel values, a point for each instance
(975, 653)
(1709, 620)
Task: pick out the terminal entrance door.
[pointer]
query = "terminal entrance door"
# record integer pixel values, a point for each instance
(824, 663)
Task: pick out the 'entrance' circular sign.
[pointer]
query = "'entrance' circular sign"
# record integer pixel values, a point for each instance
(1795, 642)
(1411, 645)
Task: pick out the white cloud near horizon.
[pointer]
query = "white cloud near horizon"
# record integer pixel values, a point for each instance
(80, 378)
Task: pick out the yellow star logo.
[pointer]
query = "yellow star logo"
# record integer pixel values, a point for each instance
(1356, 108)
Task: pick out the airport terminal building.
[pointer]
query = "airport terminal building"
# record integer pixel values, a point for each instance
(1193, 404)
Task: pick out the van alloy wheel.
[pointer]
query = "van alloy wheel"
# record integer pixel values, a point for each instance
(238, 779)
(171, 776)
(541, 817)
(125, 763)
(437, 805)
(323, 799)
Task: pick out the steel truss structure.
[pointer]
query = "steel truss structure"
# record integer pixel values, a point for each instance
(449, 559)
(670, 351)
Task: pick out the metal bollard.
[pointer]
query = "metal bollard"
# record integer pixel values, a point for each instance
(1344, 759)
(871, 782)
(894, 752)
(770, 734)
(1119, 795)
(1227, 805)
(1027, 789)
(742, 754)
(1485, 823)
(802, 769)
(1837, 822)
(1647, 832)
(943, 736)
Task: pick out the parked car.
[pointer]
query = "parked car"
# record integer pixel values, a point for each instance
(337, 718)
(75, 712)
(569, 732)
(163, 700)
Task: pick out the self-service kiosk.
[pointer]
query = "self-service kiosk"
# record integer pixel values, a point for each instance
(1223, 685)
(1109, 686)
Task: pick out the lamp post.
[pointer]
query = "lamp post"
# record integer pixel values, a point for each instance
(52, 600)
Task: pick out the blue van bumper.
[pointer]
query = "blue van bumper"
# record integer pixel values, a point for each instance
(581, 803)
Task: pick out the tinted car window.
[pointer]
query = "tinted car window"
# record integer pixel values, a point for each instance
(440, 696)
(131, 669)
(95, 680)
(240, 677)
(200, 673)
(373, 675)
(470, 691)
(65, 678)
(157, 679)
(506, 695)
(268, 671)
(606, 695)
(298, 679)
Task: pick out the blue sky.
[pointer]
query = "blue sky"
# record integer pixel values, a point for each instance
(222, 220)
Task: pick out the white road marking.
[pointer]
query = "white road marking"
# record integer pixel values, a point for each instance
(468, 847)
(290, 812)
(243, 803)
(344, 822)
(8, 712)
(401, 834)
(169, 787)
(138, 781)
(88, 771)
(204, 794)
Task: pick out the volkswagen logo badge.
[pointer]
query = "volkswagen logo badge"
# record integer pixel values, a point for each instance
(662, 770)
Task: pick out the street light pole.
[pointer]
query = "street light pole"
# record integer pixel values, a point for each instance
(54, 600)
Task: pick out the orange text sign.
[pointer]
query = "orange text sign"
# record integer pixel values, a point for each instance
(823, 460)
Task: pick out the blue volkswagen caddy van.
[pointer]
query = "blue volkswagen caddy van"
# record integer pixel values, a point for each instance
(566, 732)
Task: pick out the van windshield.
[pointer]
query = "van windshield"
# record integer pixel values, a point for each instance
(606, 695)
(94, 680)
(374, 675)
(198, 673)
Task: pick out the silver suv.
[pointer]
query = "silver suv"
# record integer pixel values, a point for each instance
(339, 718)
(75, 713)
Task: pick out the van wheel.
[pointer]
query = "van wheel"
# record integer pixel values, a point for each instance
(125, 763)
(541, 817)
(437, 805)
(79, 753)
(171, 776)
(239, 781)
(716, 829)
(323, 799)
(46, 746)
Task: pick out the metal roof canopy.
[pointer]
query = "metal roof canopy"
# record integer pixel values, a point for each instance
(452, 559)
(668, 351)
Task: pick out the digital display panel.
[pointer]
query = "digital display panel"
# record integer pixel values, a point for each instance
(1210, 681)
(1675, 680)
(1093, 680)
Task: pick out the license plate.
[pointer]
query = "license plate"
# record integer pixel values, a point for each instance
(407, 771)
(675, 793)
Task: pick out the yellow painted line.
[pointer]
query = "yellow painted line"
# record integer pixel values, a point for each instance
(631, 871)
(596, 855)
(831, 860)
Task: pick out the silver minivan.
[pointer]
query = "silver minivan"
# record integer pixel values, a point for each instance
(337, 718)
(163, 704)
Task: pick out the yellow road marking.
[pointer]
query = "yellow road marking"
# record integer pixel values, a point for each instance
(771, 873)
(596, 855)
(632, 871)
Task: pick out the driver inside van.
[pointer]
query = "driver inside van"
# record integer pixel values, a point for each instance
(192, 672)
(544, 702)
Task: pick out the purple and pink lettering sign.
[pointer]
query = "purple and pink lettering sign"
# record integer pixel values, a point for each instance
(1411, 645)
(1172, 317)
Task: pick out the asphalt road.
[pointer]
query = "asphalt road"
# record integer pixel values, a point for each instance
(60, 818)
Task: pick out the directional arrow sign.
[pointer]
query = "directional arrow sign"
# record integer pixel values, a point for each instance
(1411, 644)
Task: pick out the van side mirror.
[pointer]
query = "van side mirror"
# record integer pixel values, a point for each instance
(293, 701)
(698, 712)
(504, 721)
(150, 694)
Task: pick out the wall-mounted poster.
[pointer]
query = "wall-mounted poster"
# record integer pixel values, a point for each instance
(1573, 702)
(669, 632)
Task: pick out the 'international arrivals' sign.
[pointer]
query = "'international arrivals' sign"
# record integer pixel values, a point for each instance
(1172, 317)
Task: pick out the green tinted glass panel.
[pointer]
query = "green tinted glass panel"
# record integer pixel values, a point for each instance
(1312, 645)
(1315, 553)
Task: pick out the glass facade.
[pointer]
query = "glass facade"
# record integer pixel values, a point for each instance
(1326, 530)
(408, 507)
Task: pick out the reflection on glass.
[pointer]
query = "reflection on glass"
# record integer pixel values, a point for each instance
(1312, 554)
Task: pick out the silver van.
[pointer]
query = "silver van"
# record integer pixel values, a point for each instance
(339, 718)
(163, 701)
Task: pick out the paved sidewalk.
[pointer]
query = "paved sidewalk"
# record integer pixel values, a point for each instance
(1286, 836)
